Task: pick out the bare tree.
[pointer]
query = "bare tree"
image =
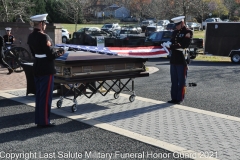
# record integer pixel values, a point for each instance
(158, 9)
(198, 8)
(72, 9)
(12, 8)
(195, 8)
(202, 8)
(231, 6)
(140, 8)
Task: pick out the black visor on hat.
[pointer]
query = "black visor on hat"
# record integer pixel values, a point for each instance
(45, 21)
(178, 23)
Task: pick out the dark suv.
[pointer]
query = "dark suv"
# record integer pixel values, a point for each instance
(153, 28)
(157, 38)
(88, 38)
(109, 27)
(170, 26)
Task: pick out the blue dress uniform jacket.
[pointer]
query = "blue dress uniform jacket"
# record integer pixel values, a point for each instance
(41, 44)
(181, 39)
(41, 47)
(8, 39)
(1, 49)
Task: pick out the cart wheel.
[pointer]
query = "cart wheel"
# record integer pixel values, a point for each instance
(74, 108)
(59, 104)
(132, 98)
(116, 95)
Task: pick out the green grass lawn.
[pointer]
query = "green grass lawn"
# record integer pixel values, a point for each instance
(71, 27)
(199, 34)
(213, 58)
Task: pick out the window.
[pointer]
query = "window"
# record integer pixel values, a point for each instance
(210, 20)
(133, 32)
(167, 35)
(156, 36)
(151, 28)
(153, 36)
(107, 26)
(74, 35)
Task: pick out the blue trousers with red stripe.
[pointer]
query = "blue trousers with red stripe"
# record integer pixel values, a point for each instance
(178, 79)
(44, 90)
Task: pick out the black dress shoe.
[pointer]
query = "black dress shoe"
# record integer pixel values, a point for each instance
(172, 101)
(45, 126)
(10, 71)
(175, 102)
(178, 102)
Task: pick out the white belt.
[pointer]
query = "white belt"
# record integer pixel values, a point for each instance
(184, 51)
(40, 55)
(180, 49)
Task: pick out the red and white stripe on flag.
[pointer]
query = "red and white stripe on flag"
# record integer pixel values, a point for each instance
(141, 52)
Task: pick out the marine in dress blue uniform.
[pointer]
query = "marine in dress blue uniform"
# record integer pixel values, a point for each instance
(8, 41)
(1, 49)
(42, 49)
(8, 38)
(180, 41)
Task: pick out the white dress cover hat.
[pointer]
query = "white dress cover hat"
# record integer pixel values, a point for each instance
(8, 29)
(39, 18)
(176, 20)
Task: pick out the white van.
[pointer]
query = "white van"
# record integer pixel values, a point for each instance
(204, 24)
(146, 23)
(65, 35)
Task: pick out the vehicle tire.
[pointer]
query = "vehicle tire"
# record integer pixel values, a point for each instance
(15, 56)
(116, 95)
(132, 98)
(23, 55)
(64, 39)
(235, 58)
(74, 108)
(11, 60)
(193, 56)
(59, 104)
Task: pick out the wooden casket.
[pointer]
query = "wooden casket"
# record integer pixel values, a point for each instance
(88, 66)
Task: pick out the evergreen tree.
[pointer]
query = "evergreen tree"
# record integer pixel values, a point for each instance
(39, 8)
(53, 14)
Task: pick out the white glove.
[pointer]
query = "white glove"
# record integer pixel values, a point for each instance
(166, 44)
(65, 49)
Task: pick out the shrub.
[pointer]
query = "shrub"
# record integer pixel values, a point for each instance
(234, 18)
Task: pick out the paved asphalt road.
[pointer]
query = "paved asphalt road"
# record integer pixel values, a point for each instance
(217, 91)
(217, 87)
(19, 135)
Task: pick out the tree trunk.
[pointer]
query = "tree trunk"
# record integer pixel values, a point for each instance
(76, 26)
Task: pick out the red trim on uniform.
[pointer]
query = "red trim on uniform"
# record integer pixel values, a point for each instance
(47, 98)
(183, 89)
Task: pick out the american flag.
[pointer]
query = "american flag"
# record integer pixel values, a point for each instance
(139, 52)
